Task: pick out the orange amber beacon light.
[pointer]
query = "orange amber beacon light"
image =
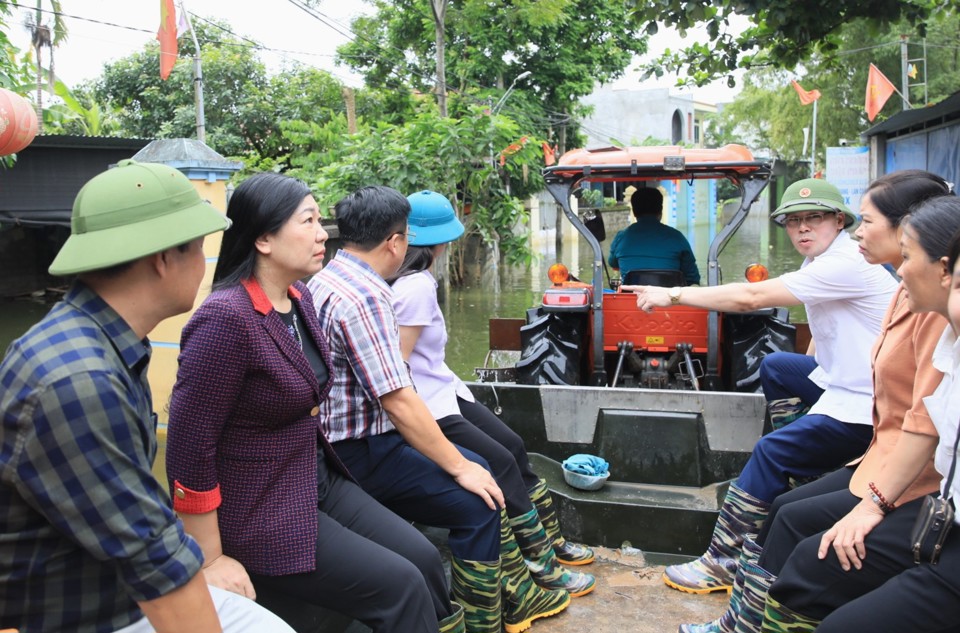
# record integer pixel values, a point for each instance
(558, 273)
(756, 272)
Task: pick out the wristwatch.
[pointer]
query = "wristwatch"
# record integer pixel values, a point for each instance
(674, 294)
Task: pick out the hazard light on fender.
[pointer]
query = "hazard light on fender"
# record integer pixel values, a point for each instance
(756, 272)
(558, 273)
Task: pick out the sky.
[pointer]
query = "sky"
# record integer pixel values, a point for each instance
(112, 29)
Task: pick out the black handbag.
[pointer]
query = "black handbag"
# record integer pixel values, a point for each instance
(934, 521)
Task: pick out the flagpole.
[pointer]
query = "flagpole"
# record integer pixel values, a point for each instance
(813, 144)
(197, 79)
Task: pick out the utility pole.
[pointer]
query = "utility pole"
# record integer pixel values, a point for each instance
(197, 79)
(439, 18)
(904, 69)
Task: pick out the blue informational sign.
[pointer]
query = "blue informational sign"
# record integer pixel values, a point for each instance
(848, 168)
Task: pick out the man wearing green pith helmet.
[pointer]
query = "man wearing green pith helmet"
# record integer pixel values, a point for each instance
(820, 403)
(88, 538)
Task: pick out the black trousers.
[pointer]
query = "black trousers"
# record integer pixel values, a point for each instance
(800, 513)
(371, 564)
(890, 594)
(480, 431)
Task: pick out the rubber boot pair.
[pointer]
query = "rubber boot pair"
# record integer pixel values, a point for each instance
(783, 411)
(567, 553)
(453, 623)
(740, 515)
(541, 560)
(779, 618)
(727, 622)
(756, 586)
(523, 600)
(476, 586)
(501, 595)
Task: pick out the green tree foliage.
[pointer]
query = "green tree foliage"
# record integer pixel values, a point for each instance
(566, 45)
(243, 104)
(44, 35)
(781, 33)
(15, 69)
(79, 114)
(768, 113)
(457, 156)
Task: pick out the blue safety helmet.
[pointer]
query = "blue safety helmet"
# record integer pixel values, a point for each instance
(432, 219)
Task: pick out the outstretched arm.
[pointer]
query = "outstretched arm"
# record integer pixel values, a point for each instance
(738, 297)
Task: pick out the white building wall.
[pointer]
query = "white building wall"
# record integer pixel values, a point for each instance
(628, 117)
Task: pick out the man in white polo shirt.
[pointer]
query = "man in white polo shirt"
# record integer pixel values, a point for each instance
(820, 403)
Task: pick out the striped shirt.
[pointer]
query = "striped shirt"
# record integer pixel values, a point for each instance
(354, 309)
(85, 528)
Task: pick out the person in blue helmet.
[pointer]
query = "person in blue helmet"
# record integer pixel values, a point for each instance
(466, 422)
(387, 438)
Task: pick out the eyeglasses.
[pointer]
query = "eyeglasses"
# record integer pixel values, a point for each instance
(410, 234)
(813, 220)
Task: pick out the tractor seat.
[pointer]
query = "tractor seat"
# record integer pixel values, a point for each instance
(654, 277)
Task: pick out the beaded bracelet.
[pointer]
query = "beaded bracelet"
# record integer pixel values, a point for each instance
(880, 500)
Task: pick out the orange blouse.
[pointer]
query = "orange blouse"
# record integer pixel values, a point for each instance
(903, 374)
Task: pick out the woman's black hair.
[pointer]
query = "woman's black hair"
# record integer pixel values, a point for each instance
(934, 223)
(417, 259)
(895, 193)
(259, 206)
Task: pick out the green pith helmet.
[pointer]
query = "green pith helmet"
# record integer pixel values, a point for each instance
(130, 211)
(812, 194)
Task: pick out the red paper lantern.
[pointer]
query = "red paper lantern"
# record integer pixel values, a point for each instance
(18, 122)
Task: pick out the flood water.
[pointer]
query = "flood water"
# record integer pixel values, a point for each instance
(469, 308)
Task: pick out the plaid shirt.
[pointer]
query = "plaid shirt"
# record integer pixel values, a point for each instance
(85, 529)
(354, 306)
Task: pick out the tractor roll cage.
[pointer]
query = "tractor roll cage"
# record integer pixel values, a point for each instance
(658, 163)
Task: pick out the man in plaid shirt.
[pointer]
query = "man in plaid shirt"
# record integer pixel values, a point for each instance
(88, 539)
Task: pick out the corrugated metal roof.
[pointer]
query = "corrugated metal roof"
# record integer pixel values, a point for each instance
(919, 118)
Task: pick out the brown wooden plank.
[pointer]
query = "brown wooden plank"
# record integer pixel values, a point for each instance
(505, 334)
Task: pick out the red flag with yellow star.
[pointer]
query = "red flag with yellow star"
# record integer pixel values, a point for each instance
(879, 89)
(167, 36)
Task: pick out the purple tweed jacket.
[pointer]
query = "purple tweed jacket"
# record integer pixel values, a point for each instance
(243, 432)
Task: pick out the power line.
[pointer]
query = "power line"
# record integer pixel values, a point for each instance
(553, 118)
(252, 44)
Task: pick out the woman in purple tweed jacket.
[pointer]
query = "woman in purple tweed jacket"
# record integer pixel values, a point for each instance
(267, 507)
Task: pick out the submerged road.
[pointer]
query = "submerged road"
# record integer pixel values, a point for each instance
(630, 597)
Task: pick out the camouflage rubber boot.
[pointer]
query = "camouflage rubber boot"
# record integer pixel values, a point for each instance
(567, 553)
(727, 622)
(741, 514)
(783, 411)
(779, 618)
(523, 600)
(756, 585)
(476, 586)
(541, 559)
(453, 623)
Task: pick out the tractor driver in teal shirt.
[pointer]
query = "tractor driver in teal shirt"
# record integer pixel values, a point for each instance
(648, 244)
